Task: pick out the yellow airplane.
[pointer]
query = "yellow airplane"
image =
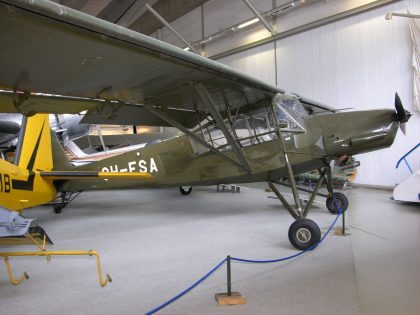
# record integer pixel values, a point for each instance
(29, 183)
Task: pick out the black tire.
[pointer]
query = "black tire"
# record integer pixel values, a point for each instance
(340, 202)
(185, 190)
(58, 209)
(304, 233)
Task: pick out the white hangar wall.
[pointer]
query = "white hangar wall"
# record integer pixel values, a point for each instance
(357, 62)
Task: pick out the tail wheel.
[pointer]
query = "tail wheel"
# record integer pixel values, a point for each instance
(304, 233)
(58, 208)
(185, 190)
(337, 202)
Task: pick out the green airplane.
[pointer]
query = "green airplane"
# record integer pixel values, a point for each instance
(233, 127)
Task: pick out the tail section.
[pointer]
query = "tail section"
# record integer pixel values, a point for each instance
(41, 156)
(39, 148)
(34, 151)
(60, 159)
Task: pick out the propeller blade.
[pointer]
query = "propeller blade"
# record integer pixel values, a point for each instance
(403, 128)
(400, 111)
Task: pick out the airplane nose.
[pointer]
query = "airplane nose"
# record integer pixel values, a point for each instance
(359, 131)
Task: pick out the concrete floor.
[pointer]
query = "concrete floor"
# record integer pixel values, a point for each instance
(155, 243)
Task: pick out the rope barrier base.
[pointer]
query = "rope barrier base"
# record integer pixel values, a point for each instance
(339, 232)
(235, 298)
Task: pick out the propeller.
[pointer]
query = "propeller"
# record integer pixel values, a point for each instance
(401, 115)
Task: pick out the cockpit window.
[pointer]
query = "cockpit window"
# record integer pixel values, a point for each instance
(290, 112)
(255, 126)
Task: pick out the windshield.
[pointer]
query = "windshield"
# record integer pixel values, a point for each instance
(290, 112)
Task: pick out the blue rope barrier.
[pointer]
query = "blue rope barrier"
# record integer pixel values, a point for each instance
(187, 290)
(340, 212)
(291, 256)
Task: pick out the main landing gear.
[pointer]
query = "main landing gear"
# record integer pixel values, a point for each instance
(305, 233)
(63, 200)
(336, 202)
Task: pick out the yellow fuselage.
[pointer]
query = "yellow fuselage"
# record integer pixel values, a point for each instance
(20, 188)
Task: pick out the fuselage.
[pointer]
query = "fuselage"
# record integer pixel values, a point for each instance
(308, 141)
(309, 144)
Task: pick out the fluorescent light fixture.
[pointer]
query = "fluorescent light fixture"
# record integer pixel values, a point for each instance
(248, 23)
(284, 7)
(187, 48)
(389, 16)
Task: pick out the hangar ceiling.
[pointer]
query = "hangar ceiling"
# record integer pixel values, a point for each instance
(260, 23)
(132, 13)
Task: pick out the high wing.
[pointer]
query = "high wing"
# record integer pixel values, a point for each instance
(55, 59)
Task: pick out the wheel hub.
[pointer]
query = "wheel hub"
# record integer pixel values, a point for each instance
(338, 203)
(303, 235)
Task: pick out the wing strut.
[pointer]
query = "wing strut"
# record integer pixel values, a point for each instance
(185, 130)
(206, 98)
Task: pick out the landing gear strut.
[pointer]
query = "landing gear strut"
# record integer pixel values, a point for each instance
(63, 200)
(304, 233)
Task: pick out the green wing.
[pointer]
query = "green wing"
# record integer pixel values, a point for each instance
(106, 69)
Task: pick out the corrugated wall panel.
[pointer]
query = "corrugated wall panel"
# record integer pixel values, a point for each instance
(258, 62)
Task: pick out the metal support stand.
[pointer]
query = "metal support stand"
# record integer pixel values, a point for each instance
(229, 298)
(233, 188)
(42, 252)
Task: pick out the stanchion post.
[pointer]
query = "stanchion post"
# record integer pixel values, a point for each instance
(342, 231)
(229, 275)
(229, 297)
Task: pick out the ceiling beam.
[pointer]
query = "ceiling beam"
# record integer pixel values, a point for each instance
(115, 10)
(170, 10)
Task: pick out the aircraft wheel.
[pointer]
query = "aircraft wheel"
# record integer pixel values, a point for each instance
(58, 208)
(304, 233)
(185, 190)
(340, 202)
